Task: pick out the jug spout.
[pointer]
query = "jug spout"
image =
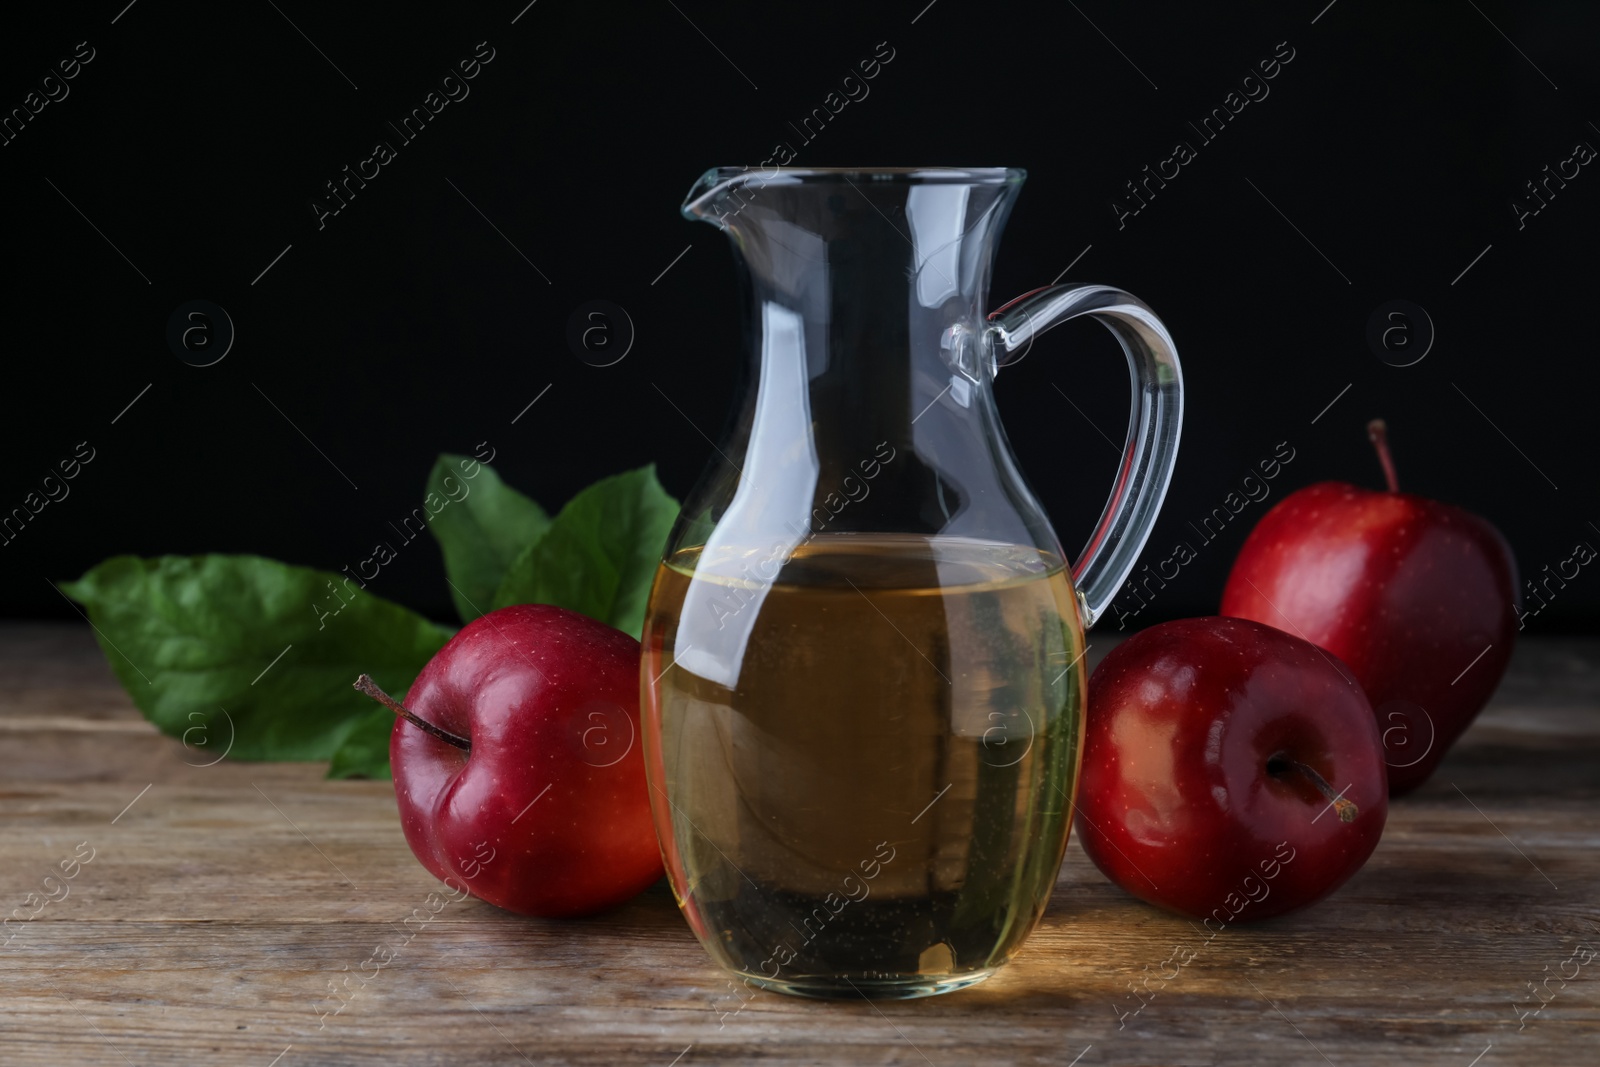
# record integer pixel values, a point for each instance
(712, 196)
(722, 194)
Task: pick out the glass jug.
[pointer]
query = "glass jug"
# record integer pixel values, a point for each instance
(863, 681)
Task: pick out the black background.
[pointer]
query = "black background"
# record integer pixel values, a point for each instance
(1395, 142)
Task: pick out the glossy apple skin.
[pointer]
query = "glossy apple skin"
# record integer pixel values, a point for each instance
(550, 701)
(1176, 804)
(1405, 590)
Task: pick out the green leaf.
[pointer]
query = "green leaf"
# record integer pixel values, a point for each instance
(272, 645)
(600, 553)
(482, 525)
(365, 751)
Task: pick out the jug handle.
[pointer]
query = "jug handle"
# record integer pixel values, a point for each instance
(1151, 448)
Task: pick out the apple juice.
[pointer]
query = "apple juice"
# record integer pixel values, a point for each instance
(862, 768)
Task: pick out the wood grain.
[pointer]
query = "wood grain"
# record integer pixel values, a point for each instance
(217, 909)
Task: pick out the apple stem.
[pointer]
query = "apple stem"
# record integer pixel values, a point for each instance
(1378, 434)
(368, 687)
(1346, 809)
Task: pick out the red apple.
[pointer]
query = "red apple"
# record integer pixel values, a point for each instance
(1417, 597)
(516, 766)
(1231, 771)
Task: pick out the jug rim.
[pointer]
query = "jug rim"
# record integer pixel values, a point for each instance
(963, 175)
(719, 180)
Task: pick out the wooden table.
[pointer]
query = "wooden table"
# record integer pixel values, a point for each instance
(221, 902)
